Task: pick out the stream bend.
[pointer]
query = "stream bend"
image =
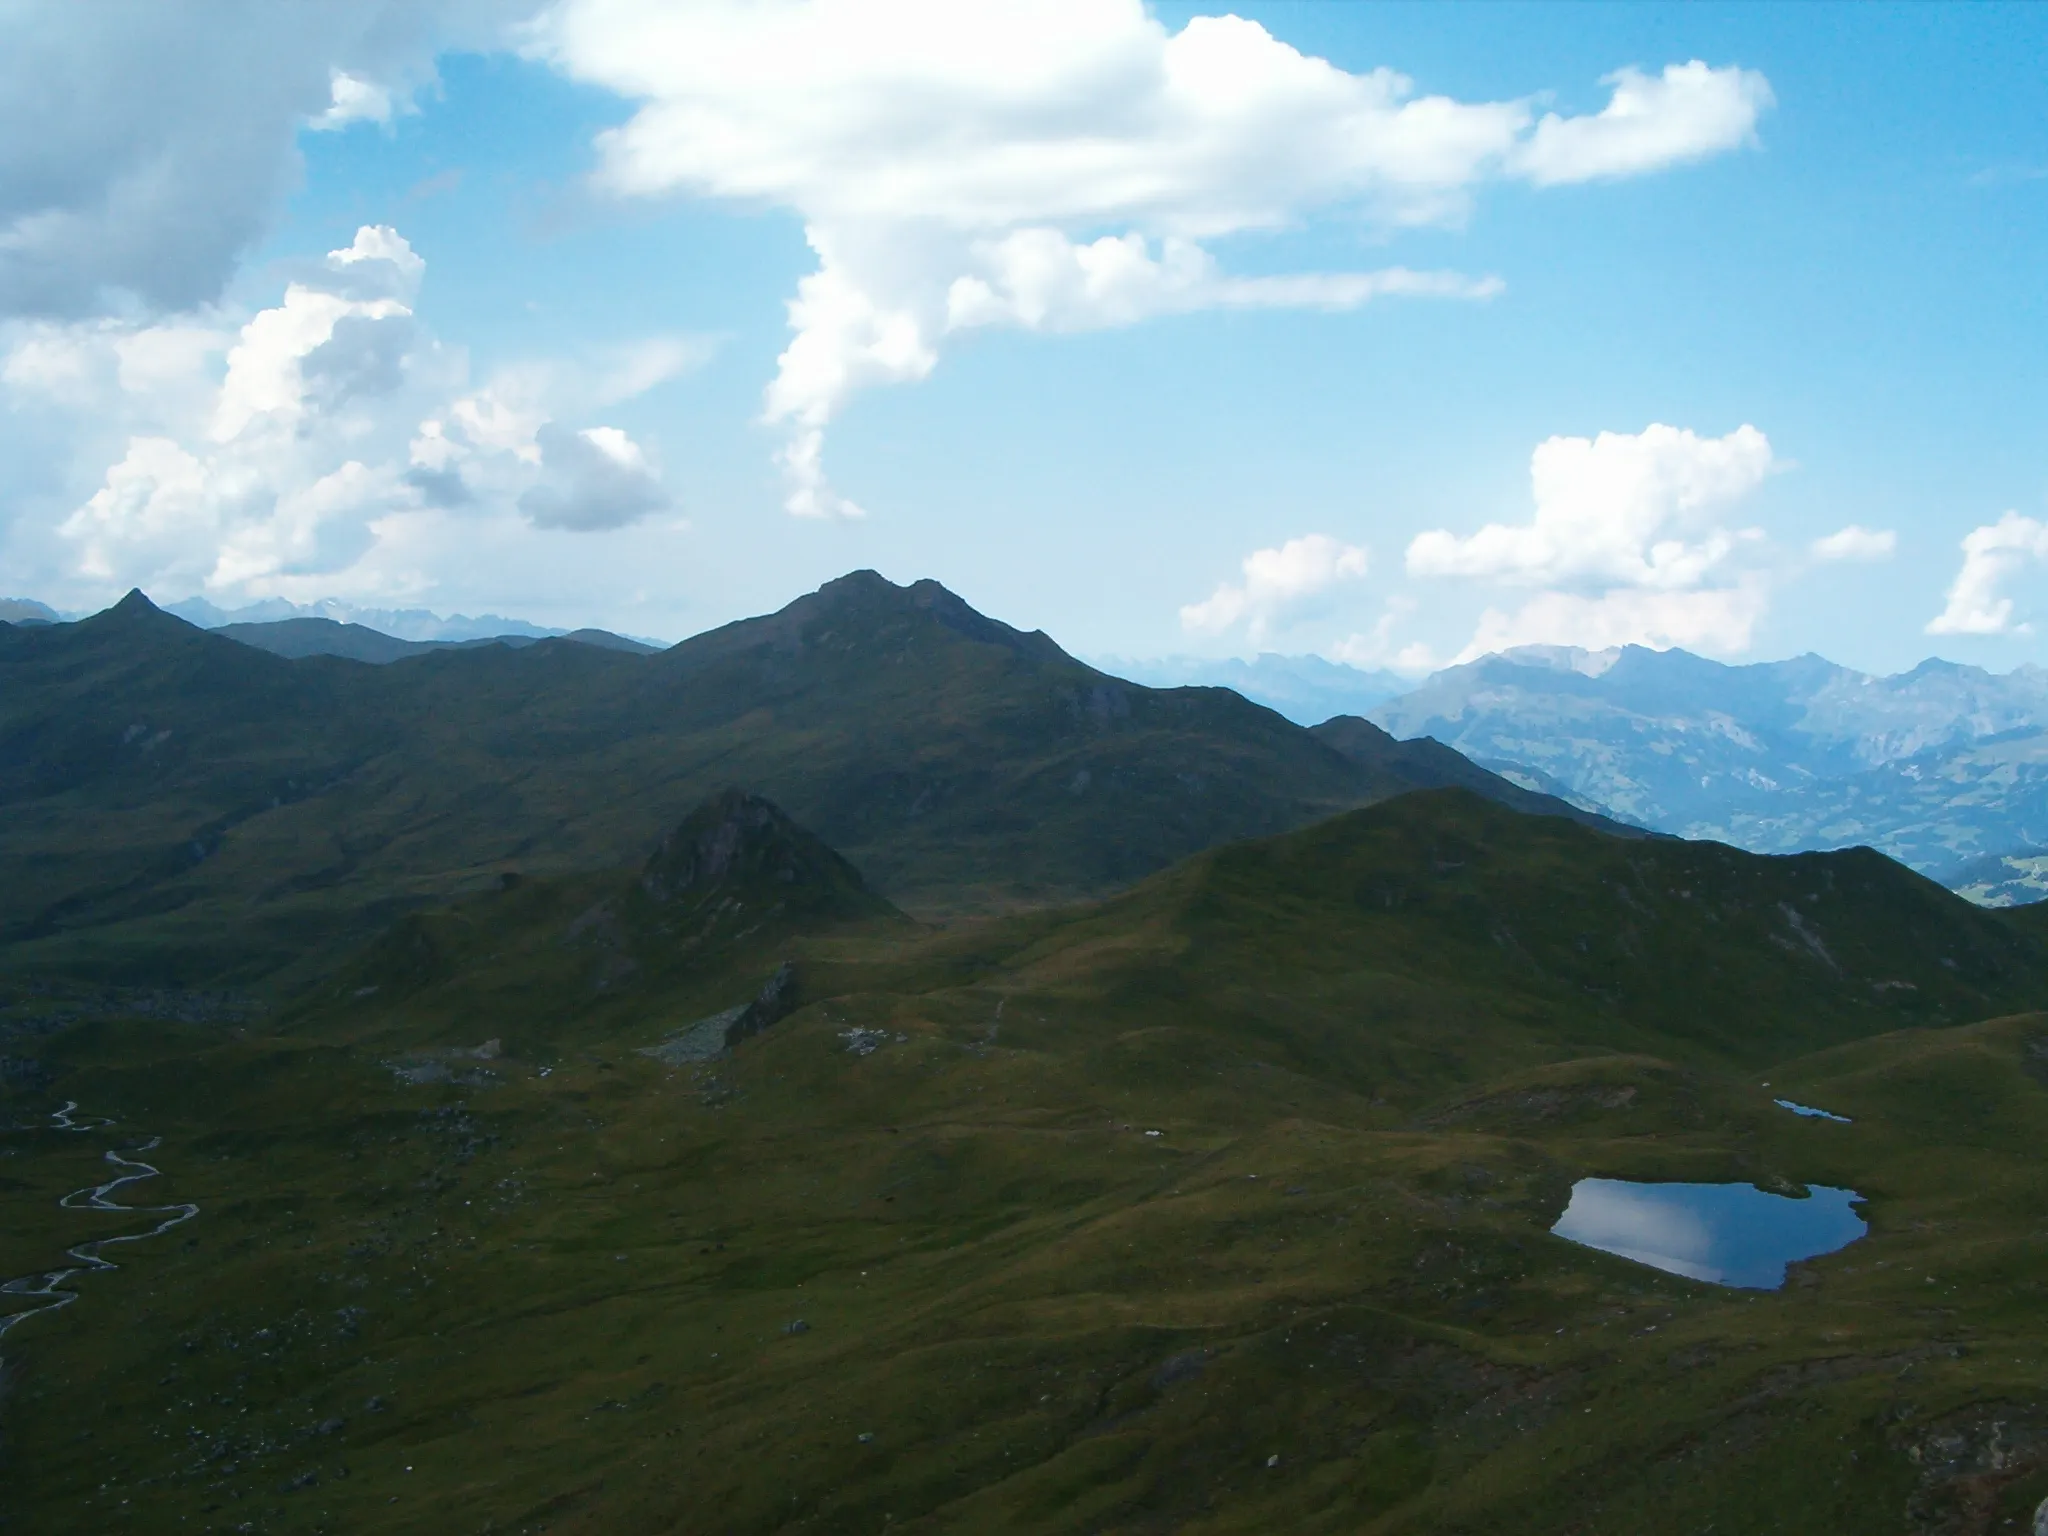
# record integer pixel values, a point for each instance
(50, 1289)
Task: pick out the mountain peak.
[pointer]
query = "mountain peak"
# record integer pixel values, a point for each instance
(864, 608)
(137, 612)
(1564, 658)
(741, 846)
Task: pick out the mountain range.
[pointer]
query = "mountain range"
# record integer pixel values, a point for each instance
(158, 778)
(1941, 767)
(399, 623)
(1944, 767)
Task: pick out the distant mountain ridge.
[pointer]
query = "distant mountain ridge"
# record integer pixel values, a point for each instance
(26, 610)
(358, 642)
(1938, 767)
(399, 623)
(1306, 689)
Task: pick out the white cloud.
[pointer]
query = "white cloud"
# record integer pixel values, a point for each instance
(590, 480)
(1038, 279)
(1717, 620)
(1687, 113)
(1991, 553)
(1277, 582)
(146, 149)
(1626, 539)
(246, 460)
(1615, 508)
(352, 100)
(1056, 164)
(1856, 543)
(1379, 648)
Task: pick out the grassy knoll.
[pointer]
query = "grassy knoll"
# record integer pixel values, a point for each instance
(910, 1259)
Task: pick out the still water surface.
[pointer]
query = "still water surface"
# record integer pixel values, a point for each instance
(1730, 1234)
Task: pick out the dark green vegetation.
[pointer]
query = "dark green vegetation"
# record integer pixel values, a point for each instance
(173, 804)
(911, 1257)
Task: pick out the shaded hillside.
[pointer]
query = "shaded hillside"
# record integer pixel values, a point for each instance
(1404, 950)
(557, 962)
(1434, 938)
(179, 805)
(1429, 764)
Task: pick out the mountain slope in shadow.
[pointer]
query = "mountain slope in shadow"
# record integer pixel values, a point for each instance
(175, 806)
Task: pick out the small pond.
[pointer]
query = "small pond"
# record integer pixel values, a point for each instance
(1729, 1234)
(1810, 1112)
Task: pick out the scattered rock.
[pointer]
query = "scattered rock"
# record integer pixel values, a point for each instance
(701, 1041)
(712, 1037)
(1966, 1459)
(797, 1327)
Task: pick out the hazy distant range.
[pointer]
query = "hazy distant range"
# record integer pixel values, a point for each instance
(1944, 767)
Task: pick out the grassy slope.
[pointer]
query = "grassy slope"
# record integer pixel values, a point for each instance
(180, 807)
(1377, 1055)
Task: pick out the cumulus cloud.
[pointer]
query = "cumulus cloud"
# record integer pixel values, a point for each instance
(240, 459)
(254, 451)
(1056, 165)
(351, 100)
(142, 151)
(594, 479)
(1626, 538)
(1856, 543)
(1718, 620)
(1277, 583)
(1379, 647)
(1687, 113)
(1991, 554)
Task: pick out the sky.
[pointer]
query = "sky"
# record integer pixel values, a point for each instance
(1393, 334)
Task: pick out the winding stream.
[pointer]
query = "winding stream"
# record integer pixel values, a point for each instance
(49, 1289)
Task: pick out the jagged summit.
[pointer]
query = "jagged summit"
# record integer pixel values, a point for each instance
(865, 611)
(742, 847)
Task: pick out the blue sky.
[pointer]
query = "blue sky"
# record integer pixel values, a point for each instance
(1836, 240)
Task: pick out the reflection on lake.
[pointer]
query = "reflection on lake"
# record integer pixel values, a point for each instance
(1730, 1234)
(1810, 1112)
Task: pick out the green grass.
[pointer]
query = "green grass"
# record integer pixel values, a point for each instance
(1378, 1055)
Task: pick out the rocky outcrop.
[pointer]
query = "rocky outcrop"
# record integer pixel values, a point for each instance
(711, 1037)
